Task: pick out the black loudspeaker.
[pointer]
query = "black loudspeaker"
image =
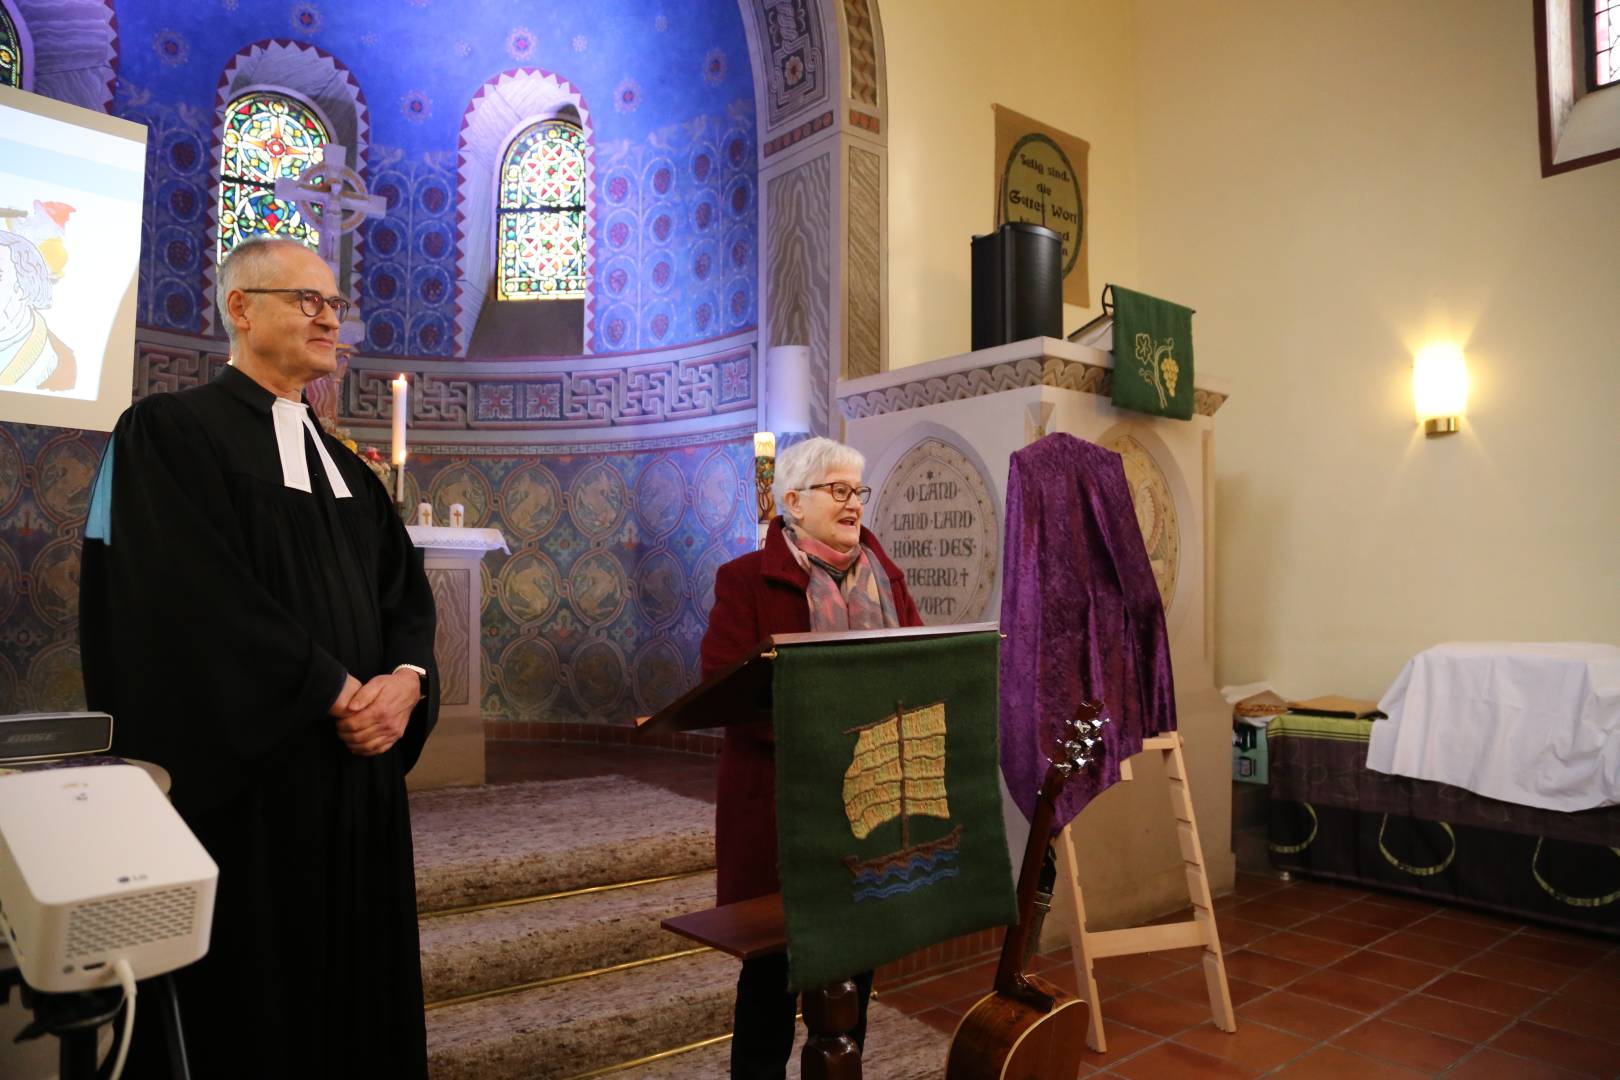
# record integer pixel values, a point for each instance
(1017, 285)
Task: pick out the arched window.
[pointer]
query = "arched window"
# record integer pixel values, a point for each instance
(11, 59)
(540, 223)
(267, 136)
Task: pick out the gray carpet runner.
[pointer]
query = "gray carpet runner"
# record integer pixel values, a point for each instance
(583, 982)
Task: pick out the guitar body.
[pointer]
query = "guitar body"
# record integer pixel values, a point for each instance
(1002, 1038)
(1028, 1029)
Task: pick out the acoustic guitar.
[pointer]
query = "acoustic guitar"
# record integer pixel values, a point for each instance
(1026, 1028)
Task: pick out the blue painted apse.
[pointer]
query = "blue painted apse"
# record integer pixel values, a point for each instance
(597, 612)
(670, 95)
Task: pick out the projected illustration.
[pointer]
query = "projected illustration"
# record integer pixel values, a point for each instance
(71, 186)
(31, 356)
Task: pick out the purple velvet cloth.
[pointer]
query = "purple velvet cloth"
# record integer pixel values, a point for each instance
(1082, 616)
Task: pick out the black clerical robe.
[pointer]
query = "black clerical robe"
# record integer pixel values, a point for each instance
(219, 612)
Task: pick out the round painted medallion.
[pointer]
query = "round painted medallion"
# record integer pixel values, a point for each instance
(67, 472)
(10, 577)
(56, 679)
(531, 501)
(718, 491)
(530, 587)
(598, 675)
(596, 501)
(660, 497)
(936, 518)
(660, 587)
(659, 675)
(55, 577)
(461, 483)
(703, 573)
(11, 470)
(596, 587)
(1155, 512)
(528, 675)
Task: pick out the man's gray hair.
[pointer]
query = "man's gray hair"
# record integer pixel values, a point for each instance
(33, 276)
(809, 462)
(244, 268)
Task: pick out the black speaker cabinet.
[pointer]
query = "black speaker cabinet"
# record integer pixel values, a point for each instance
(1017, 285)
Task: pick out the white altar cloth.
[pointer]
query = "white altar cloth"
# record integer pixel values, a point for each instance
(1531, 723)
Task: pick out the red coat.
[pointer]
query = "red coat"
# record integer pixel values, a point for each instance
(760, 594)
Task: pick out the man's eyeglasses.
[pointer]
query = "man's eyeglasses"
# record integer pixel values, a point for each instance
(310, 301)
(841, 491)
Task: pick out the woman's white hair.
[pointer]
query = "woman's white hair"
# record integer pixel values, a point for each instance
(808, 462)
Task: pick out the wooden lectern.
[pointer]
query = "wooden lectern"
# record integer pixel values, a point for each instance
(741, 694)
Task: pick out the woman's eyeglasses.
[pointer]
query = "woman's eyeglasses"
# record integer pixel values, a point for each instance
(841, 491)
(310, 301)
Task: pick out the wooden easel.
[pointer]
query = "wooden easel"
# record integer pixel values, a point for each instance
(1199, 930)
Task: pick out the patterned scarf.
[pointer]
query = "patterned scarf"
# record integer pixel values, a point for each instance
(848, 590)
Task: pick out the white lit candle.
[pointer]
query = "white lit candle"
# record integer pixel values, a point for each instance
(401, 412)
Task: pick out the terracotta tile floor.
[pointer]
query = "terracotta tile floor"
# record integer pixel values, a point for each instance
(1334, 982)
(1328, 981)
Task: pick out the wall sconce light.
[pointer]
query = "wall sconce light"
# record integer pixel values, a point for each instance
(764, 475)
(1440, 388)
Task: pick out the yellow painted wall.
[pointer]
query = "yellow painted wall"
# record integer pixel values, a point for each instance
(1332, 185)
(1067, 63)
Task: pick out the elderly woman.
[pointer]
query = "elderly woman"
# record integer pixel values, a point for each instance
(819, 570)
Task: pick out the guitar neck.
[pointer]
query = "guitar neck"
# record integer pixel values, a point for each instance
(1009, 972)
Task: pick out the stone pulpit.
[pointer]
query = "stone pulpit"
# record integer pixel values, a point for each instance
(937, 437)
(454, 755)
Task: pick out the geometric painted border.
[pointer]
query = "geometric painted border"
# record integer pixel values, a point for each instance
(993, 379)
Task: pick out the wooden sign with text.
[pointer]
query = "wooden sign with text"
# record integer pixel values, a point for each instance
(1041, 179)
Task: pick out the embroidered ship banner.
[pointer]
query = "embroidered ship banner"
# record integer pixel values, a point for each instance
(887, 800)
(1153, 355)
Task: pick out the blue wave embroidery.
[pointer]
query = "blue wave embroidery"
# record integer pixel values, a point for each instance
(914, 864)
(899, 887)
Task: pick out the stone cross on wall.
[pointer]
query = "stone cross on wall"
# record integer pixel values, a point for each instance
(334, 200)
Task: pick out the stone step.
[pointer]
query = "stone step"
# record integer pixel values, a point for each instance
(582, 1025)
(508, 946)
(509, 841)
(897, 1048)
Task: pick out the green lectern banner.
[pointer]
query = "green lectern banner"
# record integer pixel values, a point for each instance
(1153, 355)
(887, 800)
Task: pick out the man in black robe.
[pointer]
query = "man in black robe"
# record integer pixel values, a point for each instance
(257, 621)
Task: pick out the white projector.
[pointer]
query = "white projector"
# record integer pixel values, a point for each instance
(96, 865)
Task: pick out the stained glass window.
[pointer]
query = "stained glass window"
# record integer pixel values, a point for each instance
(10, 51)
(540, 226)
(1605, 42)
(267, 136)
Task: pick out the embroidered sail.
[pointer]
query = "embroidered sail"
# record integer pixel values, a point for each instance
(897, 770)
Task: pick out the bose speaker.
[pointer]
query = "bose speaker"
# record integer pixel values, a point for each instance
(1017, 285)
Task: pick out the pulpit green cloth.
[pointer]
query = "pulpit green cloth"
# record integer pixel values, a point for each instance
(888, 805)
(1153, 355)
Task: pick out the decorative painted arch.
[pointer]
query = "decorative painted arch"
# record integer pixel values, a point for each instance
(501, 108)
(70, 49)
(319, 79)
(822, 103)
